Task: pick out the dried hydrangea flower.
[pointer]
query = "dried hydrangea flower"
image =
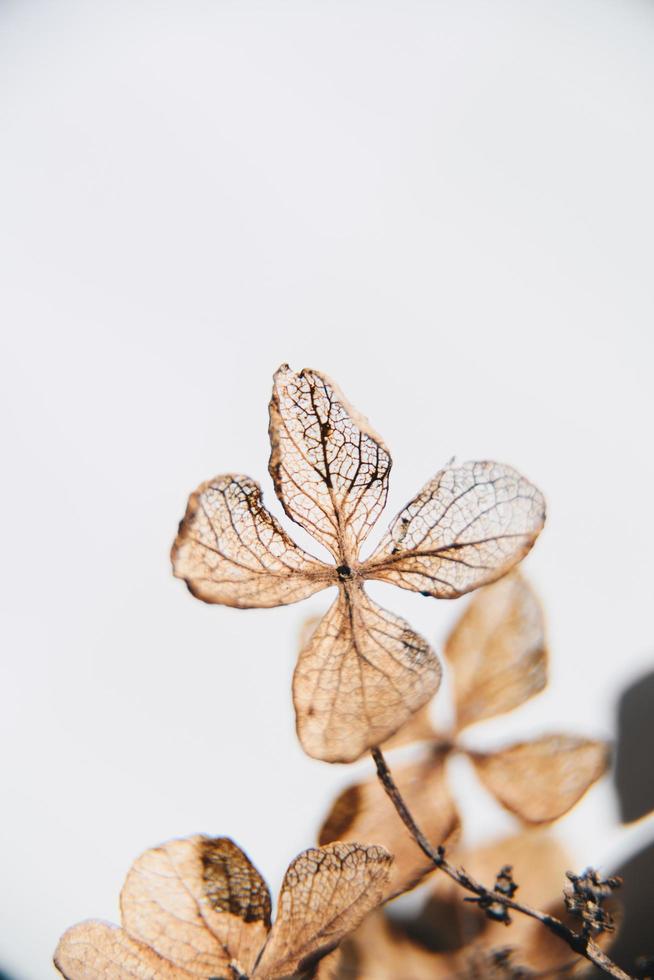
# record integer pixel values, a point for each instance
(498, 657)
(197, 907)
(363, 672)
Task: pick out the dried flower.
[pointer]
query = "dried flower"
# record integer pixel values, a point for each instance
(363, 672)
(497, 654)
(197, 907)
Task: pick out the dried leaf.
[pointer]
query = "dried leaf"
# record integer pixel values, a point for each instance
(497, 651)
(540, 780)
(329, 468)
(231, 550)
(325, 894)
(361, 675)
(466, 528)
(199, 903)
(364, 812)
(98, 951)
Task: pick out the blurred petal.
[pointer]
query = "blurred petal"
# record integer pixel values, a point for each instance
(329, 468)
(381, 950)
(361, 675)
(497, 651)
(98, 951)
(467, 527)
(325, 894)
(418, 728)
(540, 780)
(364, 812)
(231, 550)
(198, 902)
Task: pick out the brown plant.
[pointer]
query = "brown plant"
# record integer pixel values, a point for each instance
(497, 654)
(197, 907)
(364, 672)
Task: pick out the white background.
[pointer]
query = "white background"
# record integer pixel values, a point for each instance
(446, 206)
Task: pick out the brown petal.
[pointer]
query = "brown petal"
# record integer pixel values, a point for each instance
(231, 550)
(382, 950)
(361, 675)
(466, 528)
(419, 728)
(364, 812)
(497, 651)
(98, 951)
(199, 903)
(540, 780)
(329, 468)
(325, 894)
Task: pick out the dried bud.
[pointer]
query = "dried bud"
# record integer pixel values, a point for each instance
(586, 900)
(494, 909)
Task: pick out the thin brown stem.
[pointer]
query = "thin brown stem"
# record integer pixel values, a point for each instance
(578, 942)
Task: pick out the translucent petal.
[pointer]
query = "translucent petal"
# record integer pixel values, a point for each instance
(329, 468)
(199, 903)
(540, 780)
(467, 527)
(98, 951)
(231, 550)
(361, 675)
(497, 651)
(325, 894)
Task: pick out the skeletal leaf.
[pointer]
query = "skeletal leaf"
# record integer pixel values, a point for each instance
(540, 780)
(98, 951)
(325, 894)
(363, 811)
(198, 902)
(361, 675)
(231, 550)
(329, 469)
(497, 651)
(467, 527)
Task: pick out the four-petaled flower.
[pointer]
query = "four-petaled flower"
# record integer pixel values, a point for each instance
(364, 671)
(498, 656)
(197, 908)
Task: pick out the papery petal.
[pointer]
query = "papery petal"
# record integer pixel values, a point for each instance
(382, 950)
(497, 651)
(99, 951)
(467, 527)
(363, 811)
(542, 779)
(329, 468)
(231, 550)
(325, 894)
(360, 676)
(419, 728)
(198, 902)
